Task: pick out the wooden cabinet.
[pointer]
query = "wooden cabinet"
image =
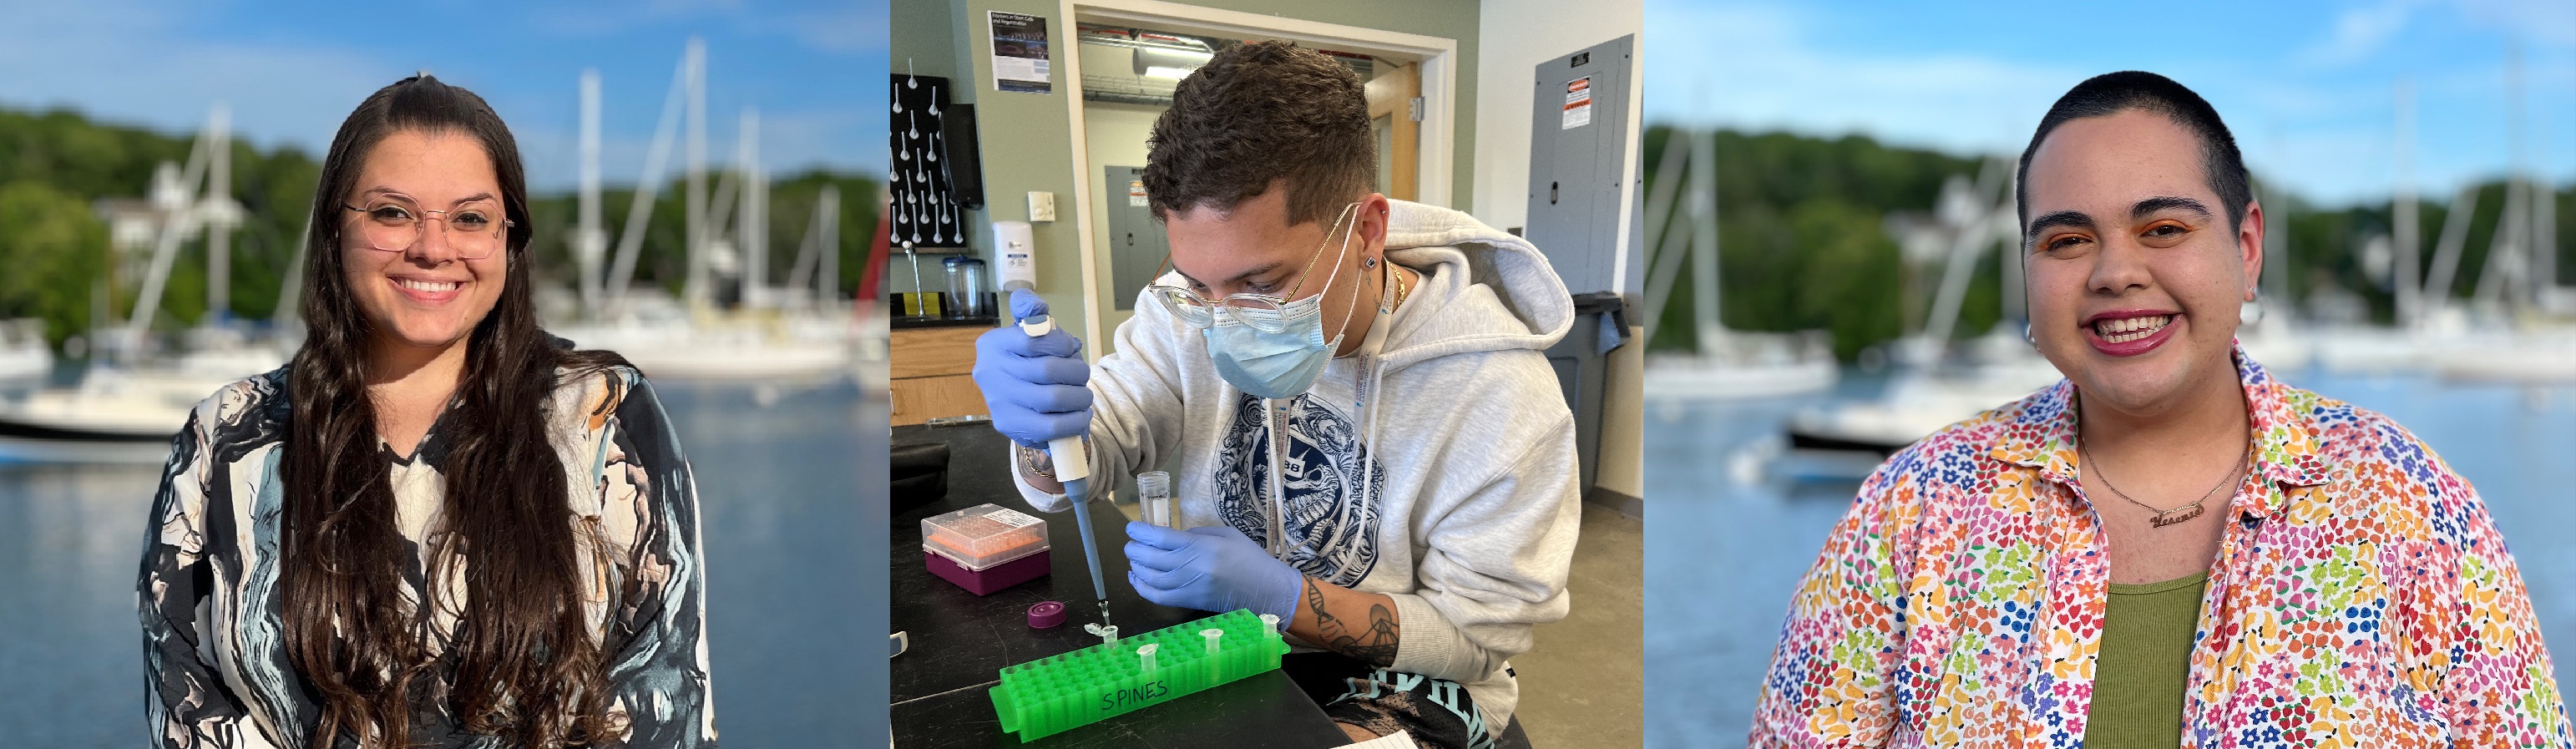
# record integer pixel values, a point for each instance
(929, 369)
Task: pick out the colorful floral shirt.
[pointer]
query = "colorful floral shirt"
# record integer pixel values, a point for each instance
(2361, 597)
(217, 674)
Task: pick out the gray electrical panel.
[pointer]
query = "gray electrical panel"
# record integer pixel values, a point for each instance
(1136, 243)
(1578, 148)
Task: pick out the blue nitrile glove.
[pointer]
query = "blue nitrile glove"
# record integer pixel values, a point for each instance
(1033, 385)
(1212, 568)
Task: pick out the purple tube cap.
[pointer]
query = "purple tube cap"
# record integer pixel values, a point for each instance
(1046, 614)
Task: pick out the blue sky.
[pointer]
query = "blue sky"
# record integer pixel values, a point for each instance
(2309, 88)
(292, 70)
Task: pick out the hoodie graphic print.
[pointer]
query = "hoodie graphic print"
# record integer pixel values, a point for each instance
(1328, 538)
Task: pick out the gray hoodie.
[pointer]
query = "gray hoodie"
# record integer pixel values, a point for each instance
(1470, 525)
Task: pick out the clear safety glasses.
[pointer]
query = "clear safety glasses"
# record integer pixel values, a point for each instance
(1262, 312)
(394, 225)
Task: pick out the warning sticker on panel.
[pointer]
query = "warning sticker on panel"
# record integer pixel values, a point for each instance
(1136, 194)
(1578, 103)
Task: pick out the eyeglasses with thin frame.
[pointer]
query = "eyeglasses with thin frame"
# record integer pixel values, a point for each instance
(394, 225)
(1201, 312)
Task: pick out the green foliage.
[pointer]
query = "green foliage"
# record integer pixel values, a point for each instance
(1800, 238)
(47, 241)
(1802, 243)
(1849, 265)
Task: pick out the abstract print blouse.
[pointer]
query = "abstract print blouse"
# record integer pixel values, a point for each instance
(2361, 596)
(218, 675)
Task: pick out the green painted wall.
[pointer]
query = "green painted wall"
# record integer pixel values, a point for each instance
(1026, 138)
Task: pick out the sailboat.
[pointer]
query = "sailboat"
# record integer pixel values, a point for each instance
(2513, 330)
(799, 332)
(1932, 387)
(24, 357)
(1728, 364)
(127, 407)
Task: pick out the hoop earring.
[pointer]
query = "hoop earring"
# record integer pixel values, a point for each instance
(2025, 335)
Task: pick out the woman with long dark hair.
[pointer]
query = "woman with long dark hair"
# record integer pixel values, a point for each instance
(437, 525)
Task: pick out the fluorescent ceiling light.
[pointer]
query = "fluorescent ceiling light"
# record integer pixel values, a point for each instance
(1175, 64)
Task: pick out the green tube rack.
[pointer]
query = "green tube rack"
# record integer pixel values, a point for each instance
(1057, 693)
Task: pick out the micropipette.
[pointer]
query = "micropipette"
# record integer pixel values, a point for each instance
(1073, 467)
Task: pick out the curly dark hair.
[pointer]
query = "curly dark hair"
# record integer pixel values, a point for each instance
(1255, 114)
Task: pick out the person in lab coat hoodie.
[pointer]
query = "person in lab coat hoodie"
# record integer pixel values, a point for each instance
(1367, 438)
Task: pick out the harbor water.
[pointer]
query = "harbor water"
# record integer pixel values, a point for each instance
(791, 640)
(1734, 526)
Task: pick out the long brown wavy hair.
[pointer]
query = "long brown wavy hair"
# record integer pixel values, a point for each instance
(524, 664)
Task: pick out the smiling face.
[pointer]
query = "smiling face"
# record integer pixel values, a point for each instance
(2134, 276)
(425, 294)
(1252, 249)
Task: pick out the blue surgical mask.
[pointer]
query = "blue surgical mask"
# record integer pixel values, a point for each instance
(1285, 363)
(1273, 365)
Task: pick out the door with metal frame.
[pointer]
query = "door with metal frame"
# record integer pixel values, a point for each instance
(1137, 244)
(1395, 119)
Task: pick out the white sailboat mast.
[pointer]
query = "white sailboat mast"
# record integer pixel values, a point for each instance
(590, 241)
(751, 228)
(695, 291)
(2409, 227)
(219, 196)
(1704, 258)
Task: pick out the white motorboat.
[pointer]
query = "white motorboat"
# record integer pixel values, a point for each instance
(1727, 364)
(23, 353)
(1747, 365)
(113, 416)
(1935, 386)
(740, 349)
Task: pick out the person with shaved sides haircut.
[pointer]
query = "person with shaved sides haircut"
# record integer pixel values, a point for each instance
(2169, 547)
(1366, 437)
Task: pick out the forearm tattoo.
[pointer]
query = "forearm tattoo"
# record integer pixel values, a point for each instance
(1373, 644)
(1036, 463)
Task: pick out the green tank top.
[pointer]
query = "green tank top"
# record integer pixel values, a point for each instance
(2146, 657)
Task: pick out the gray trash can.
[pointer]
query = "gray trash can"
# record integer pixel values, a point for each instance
(1600, 326)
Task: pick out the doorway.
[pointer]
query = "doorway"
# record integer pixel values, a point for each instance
(1411, 83)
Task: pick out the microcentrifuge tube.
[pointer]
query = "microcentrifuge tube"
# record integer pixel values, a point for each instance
(1108, 634)
(1154, 498)
(1211, 635)
(1270, 622)
(1146, 654)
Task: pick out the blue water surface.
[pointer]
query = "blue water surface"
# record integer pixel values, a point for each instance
(791, 484)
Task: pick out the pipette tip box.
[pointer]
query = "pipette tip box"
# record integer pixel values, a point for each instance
(1057, 693)
(985, 548)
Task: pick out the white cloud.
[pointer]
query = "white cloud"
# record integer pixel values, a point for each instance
(2359, 33)
(124, 62)
(837, 28)
(2550, 22)
(2325, 129)
(856, 27)
(1759, 67)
